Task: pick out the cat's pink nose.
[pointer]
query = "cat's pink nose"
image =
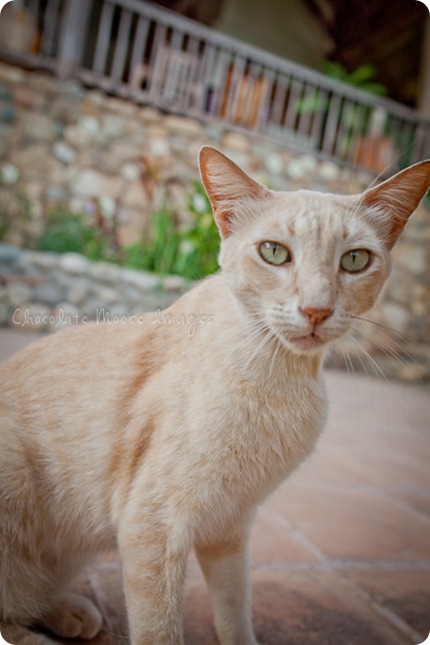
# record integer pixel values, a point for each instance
(316, 315)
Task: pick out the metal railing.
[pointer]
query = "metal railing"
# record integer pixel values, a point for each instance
(139, 51)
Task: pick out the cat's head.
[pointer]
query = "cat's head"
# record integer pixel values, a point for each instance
(304, 264)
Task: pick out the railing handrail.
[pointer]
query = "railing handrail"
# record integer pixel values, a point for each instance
(182, 66)
(290, 68)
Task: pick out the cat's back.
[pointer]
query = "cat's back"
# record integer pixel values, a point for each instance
(64, 388)
(63, 400)
(78, 385)
(53, 365)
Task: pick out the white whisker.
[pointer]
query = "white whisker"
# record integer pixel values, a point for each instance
(266, 339)
(391, 346)
(377, 369)
(275, 354)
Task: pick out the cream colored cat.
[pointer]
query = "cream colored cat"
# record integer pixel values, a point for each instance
(145, 437)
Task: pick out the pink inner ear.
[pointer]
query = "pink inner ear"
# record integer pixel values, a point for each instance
(398, 197)
(225, 184)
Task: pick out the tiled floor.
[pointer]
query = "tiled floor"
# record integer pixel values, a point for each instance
(341, 554)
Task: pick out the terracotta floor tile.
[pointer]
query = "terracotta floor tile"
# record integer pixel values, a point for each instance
(417, 499)
(342, 540)
(272, 542)
(315, 609)
(354, 524)
(366, 464)
(406, 593)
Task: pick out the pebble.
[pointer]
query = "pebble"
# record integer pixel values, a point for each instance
(140, 279)
(7, 114)
(18, 294)
(105, 272)
(74, 263)
(329, 171)
(9, 174)
(39, 127)
(9, 255)
(5, 92)
(64, 153)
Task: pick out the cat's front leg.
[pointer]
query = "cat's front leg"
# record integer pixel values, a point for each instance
(154, 566)
(225, 566)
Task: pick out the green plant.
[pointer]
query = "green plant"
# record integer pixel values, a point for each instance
(66, 232)
(199, 243)
(159, 251)
(190, 251)
(352, 122)
(363, 78)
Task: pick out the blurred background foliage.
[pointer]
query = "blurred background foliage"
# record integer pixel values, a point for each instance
(171, 245)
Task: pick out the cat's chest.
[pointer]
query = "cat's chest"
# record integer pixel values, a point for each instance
(248, 447)
(228, 445)
(256, 436)
(278, 420)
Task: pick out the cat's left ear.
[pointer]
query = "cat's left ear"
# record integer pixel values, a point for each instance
(226, 184)
(397, 198)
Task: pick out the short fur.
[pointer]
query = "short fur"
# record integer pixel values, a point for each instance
(155, 440)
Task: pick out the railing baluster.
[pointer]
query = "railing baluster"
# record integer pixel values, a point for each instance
(319, 103)
(425, 154)
(191, 84)
(351, 133)
(253, 96)
(73, 30)
(267, 80)
(34, 7)
(121, 46)
(177, 40)
(332, 123)
(414, 142)
(137, 65)
(157, 63)
(409, 132)
(221, 85)
(292, 115)
(304, 114)
(174, 70)
(50, 26)
(103, 39)
(205, 78)
(421, 148)
(237, 85)
(340, 143)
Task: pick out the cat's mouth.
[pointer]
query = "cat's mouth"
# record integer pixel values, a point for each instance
(301, 339)
(307, 343)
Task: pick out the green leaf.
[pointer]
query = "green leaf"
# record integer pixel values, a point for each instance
(362, 74)
(335, 70)
(311, 104)
(375, 88)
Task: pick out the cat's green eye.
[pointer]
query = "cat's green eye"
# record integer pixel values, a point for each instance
(274, 253)
(355, 261)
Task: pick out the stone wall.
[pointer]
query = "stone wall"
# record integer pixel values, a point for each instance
(61, 143)
(48, 291)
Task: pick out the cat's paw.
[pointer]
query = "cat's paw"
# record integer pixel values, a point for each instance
(74, 616)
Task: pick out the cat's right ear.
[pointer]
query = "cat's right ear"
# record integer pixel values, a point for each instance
(226, 184)
(396, 199)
